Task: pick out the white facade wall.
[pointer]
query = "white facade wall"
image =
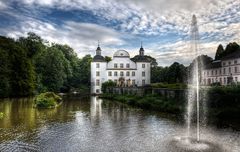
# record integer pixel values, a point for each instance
(107, 72)
(230, 68)
(96, 88)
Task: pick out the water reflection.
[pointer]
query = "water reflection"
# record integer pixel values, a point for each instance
(91, 124)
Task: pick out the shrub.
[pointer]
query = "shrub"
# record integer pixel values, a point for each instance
(47, 100)
(107, 84)
(1, 115)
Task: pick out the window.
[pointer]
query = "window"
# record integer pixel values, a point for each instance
(97, 65)
(143, 65)
(224, 63)
(97, 82)
(236, 79)
(97, 73)
(121, 74)
(224, 71)
(220, 71)
(121, 65)
(143, 82)
(133, 82)
(225, 81)
(236, 69)
(229, 63)
(220, 80)
(115, 65)
(115, 73)
(215, 72)
(97, 90)
(115, 80)
(207, 73)
(229, 70)
(235, 62)
(127, 65)
(127, 73)
(143, 74)
(212, 72)
(133, 73)
(109, 73)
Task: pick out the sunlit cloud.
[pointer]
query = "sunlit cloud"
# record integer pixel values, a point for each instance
(162, 25)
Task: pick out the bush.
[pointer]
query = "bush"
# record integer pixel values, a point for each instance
(47, 100)
(169, 86)
(108, 84)
(1, 115)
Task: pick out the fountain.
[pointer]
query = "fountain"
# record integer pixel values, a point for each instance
(192, 142)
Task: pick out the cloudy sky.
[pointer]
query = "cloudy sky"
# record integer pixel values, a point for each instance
(162, 25)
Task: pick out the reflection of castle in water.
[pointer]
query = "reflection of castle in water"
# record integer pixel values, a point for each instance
(96, 107)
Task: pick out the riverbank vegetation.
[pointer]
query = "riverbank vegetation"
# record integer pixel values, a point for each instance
(223, 103)
(169, 86)
(1, 115)
(30, 65)
(47, 100)
(149, 102)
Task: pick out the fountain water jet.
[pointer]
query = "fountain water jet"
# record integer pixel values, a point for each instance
(195, 74)
(192, 143)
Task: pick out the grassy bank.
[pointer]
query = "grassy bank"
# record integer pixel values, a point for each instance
(150, 102)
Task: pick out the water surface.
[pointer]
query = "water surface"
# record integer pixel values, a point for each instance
(93, 125)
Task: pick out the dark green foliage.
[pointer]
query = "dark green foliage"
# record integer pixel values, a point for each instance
(176, 73)
(52, 67)
(108, 84)
(31, 65)
(16, 70)
(47, 100)
(224, 104)
(108, 59)
(169, 86)
(150, 102)
(219, 52)
(230, 48)
(4, 73)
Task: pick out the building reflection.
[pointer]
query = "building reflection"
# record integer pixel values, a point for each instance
(96, 108)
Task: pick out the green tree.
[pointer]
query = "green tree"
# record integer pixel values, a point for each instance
(107, 84)
(108, 59)
(219, 52)
(4, 73)
(51, 69)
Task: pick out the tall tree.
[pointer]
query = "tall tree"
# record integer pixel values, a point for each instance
(219, 52)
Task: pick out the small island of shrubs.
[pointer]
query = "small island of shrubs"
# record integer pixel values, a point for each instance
(1, 115)
(47, 100)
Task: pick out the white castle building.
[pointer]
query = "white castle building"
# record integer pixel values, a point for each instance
(224, 71)
(122, 70)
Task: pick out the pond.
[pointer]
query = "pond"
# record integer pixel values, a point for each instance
(90, 124)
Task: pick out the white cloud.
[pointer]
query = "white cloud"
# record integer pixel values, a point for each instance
(2, 5)
(82, 37)
(218, 23)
